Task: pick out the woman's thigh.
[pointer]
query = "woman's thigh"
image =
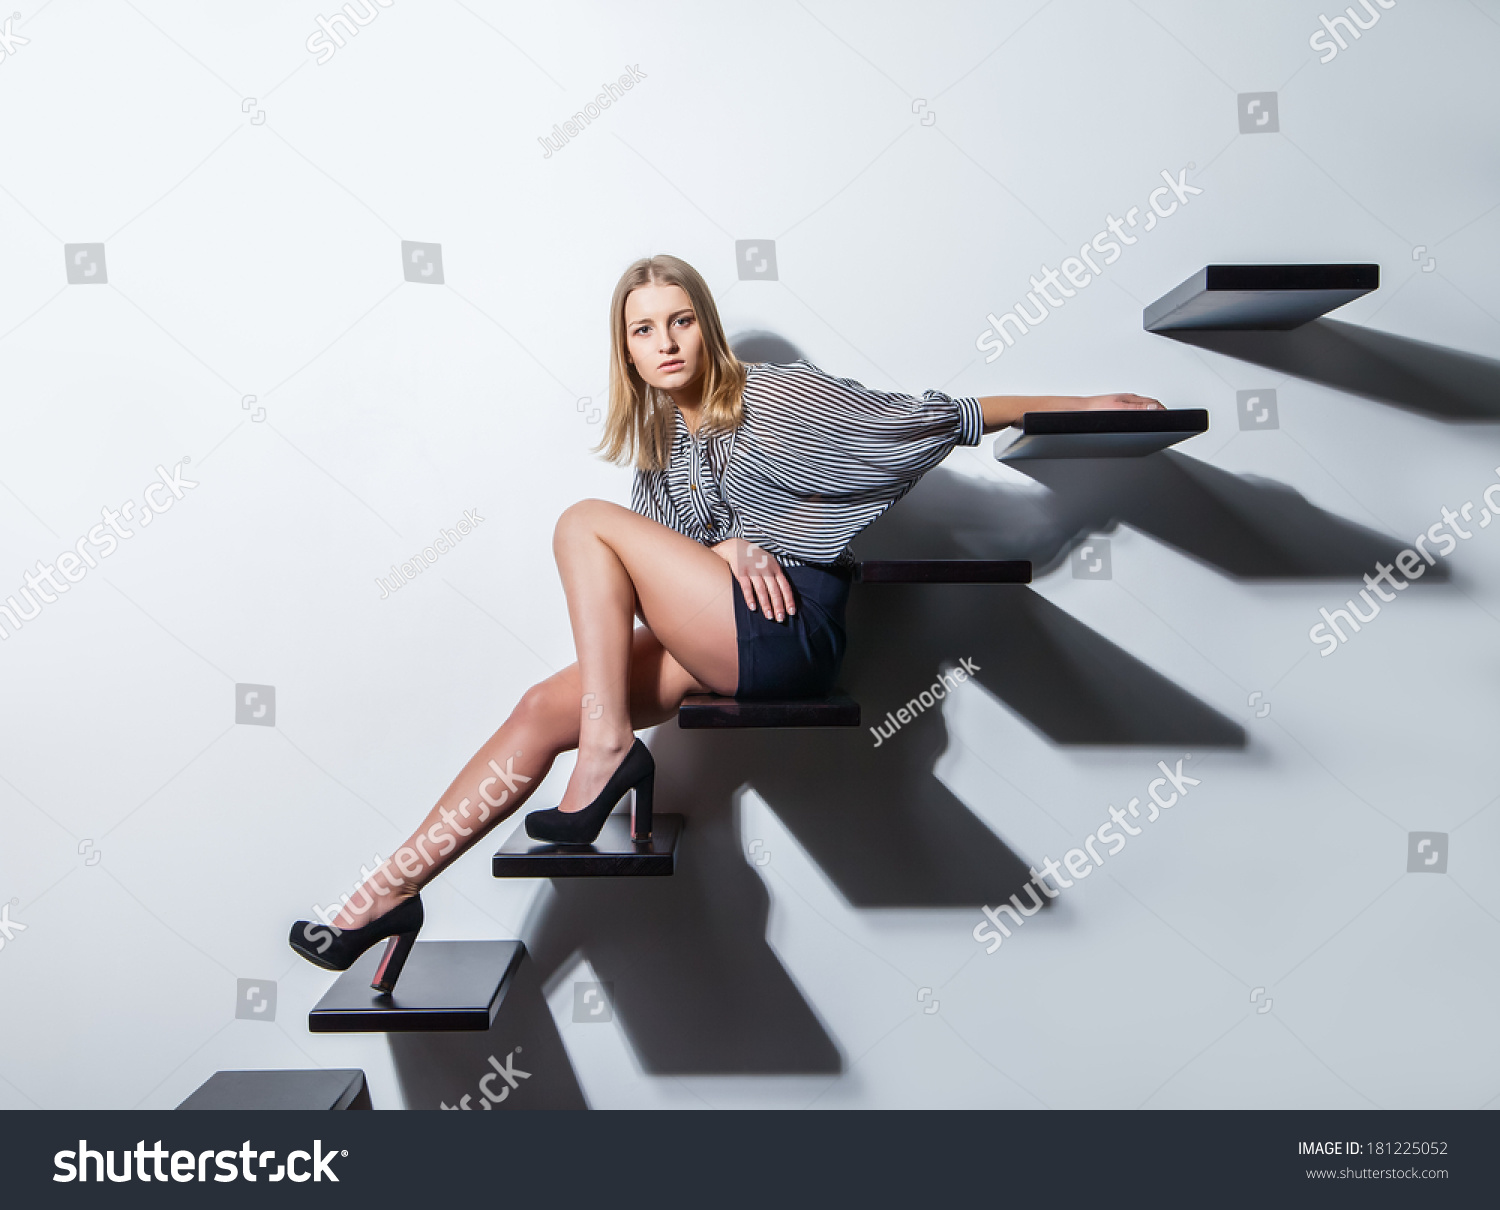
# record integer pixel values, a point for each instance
(684, 591)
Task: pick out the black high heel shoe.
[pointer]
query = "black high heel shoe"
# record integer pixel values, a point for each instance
(338, 949)
(637, 771)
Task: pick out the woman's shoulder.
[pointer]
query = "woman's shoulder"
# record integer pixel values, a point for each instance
(780, 369)
(771, 387)
(777, 379)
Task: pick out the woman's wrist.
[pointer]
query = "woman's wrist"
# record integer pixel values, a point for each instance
(1003, 411)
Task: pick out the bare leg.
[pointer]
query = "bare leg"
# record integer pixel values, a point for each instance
(610, 557)
(550, 716)
(543, 725)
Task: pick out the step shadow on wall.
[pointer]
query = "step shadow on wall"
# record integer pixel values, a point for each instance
(1447, 384)
(1245, 526)
(435, 1070)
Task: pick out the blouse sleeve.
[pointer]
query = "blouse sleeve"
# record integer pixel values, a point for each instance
(890, 435)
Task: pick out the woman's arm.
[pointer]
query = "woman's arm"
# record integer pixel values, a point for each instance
(1002, 411)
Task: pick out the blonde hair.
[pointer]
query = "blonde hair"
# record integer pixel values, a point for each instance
(640, 425)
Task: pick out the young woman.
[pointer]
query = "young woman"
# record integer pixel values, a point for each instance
(750, 483)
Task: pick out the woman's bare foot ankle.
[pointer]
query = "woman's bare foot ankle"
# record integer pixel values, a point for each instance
(377, 895)
(596, 762)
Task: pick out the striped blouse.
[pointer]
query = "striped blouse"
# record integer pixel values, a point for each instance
(816, 459)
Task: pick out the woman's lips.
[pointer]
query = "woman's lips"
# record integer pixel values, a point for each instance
(668, 366)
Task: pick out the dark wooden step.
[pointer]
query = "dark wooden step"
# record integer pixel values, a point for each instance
(612, 855)
(1117, 433)
(706, 710)
(1259, 297)
(445, 985)
(331, 1088)
(943, 571)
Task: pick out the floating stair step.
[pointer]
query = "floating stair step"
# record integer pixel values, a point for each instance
(334, 1088)
(943, 571)
(445, 985)
(1123, 433)
(1259, 297)
(612, 855)
(706, 710)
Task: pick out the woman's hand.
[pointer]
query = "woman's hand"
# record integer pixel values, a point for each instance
(1006, 411)
(1121, 402)
(760, 576)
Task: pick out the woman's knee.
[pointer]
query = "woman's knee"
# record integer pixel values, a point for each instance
(584, 517)
(550, 711)
(584, 514)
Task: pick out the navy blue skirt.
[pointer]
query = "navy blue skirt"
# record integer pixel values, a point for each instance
(801, 656)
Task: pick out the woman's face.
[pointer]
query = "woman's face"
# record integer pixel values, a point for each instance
(662, 337)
